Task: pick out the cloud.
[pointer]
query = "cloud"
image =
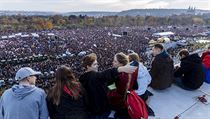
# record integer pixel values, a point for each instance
(98, 5)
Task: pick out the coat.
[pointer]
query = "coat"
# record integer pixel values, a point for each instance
(162, 71)
(69, 108)
(95, 85)
(191, 71)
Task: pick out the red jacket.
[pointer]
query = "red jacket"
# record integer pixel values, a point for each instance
(204, 54)
(120, 99)
(206, 61)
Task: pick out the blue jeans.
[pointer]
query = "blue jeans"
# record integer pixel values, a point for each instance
(179, 83)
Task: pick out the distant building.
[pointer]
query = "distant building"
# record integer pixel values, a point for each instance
(191, 10)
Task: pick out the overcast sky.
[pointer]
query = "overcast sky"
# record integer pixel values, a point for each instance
(98, 5)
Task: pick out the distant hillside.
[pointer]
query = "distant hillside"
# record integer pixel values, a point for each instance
(160, 12)
(27, 13)
(93, 13)
(132, 12)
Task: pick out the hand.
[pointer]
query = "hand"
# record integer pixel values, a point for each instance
(177, 67)
(127, 69)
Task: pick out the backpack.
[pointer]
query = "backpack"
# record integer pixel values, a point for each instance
(135, 105)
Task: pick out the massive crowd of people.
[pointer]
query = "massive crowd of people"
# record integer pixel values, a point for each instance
(108, 78)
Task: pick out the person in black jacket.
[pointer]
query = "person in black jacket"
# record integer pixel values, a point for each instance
(190, 74)
(66, 100)
(162, 68)
(95, 84)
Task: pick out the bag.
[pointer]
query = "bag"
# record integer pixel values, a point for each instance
(136, 106)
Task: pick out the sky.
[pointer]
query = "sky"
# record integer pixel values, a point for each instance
(98, 5)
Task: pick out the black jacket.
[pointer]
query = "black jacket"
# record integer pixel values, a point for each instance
(95, 84)
(68, 108)
(191, 71)
(162, 71)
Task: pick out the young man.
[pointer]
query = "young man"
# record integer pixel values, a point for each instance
(95, 84)
(190, 74)
(24, 101)
(162, 68)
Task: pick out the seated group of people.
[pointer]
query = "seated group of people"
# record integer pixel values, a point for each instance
(189, 74)
(119, 93)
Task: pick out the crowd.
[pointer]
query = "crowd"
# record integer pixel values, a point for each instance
(96, 94)
(119, 92)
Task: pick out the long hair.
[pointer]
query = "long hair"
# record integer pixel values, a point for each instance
(122, 58)
(64, 77)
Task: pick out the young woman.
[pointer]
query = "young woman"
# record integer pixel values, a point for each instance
(143, 79)
(119, 98)
(66, 99)
(95, 84)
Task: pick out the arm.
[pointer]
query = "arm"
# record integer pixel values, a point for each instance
(154, 70)
(1, 109)
(43, 111)
(111, 74)
(182, 70)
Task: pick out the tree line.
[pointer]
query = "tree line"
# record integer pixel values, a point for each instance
(22, 23)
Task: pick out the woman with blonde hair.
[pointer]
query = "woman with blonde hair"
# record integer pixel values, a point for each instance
(123, 99)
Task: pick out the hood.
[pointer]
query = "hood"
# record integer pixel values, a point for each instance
(163, 54)
(192, 58)
(21, 91)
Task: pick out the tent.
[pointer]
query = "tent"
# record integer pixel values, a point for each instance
(116, 35)
(163, 40)
(152, 42)
(163, 34)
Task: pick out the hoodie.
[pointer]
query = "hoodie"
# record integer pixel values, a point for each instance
(144, 79)
(191, 71)
(23, 102)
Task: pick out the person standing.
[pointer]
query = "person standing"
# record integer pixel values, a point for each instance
(24, 101)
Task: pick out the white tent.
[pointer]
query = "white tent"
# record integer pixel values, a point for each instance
(163, 34)
(4, 37)
(116, 35)
(35, 34)
(23, 36)
(82, 53)
(50, 34)
(11, 36)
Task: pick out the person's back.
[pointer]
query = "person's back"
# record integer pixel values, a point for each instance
(192, 71)
(23, 102)
(162, 69)
(96, 92)
(68, 108)
(144, 79)
(66, 100)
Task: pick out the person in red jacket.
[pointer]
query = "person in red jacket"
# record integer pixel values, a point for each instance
(206, 58)
(125, 83)
(205, 53)
(206, 63)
